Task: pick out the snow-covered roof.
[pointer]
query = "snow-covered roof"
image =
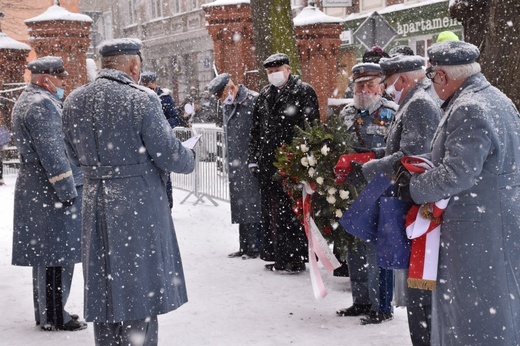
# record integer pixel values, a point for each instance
(8, 43)
(226, 2)
(312, 15)
(392, 8)
(56, 12)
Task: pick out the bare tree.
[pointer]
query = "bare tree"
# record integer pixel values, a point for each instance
(273, 32)
(494, 27)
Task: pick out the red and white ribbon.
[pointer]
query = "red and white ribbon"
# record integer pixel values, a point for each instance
(424, 232)
(318, 246)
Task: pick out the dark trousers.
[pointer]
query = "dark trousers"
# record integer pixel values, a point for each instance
(51, 288)
(283, 238)
(419, 309)
(142, 332)
(386, 289)
(249, 238)
(169, 191)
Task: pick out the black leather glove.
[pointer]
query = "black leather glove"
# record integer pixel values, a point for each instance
(402, 178)
(356, 176)
(255, 171)
(361, 149)
(68, 203)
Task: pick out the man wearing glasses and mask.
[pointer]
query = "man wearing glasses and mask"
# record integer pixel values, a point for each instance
(476, 158)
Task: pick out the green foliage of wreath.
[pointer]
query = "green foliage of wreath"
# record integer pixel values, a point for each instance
(311, 158)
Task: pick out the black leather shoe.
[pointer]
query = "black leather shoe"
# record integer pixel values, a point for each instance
(295, 268)
(274, 267)
(73, 325)
(235, 254)
(250, 256)
(375, 317)
(355, 310)
(341, 271)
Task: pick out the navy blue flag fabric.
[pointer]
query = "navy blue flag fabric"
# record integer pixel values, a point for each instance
(378, 216)
(362, 217)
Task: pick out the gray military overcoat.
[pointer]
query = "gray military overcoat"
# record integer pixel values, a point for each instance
(44, 232)
(410, 132)
(117, 131)
(477, 163)
(243, 186)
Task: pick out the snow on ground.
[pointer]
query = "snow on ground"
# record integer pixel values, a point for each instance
(231, 301)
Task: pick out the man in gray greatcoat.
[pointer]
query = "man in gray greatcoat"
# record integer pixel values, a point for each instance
(47, 200)
(238, 102)
(116, 130)
(476, 158)
(410, 133)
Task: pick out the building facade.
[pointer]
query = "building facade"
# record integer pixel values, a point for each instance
(176, 44)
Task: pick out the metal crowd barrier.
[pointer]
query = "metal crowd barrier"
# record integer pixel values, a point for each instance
(208, 181)
(210, 178)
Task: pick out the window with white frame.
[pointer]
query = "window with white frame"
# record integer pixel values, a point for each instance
(156, 8)
(368, 5)
(176, 6)
(420, 45)
(132, 11)
(107, 26)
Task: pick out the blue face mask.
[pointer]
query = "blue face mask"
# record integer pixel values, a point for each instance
(59, 93)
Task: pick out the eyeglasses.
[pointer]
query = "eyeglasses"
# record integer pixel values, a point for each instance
(431, 73)
(140, 56)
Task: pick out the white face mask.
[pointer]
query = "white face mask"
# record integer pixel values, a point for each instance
(229, 99)
(276, 78)
(393, 92)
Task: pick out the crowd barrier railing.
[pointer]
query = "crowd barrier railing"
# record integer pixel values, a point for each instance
(209, 179)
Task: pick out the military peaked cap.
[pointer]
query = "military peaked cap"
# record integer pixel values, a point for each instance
(400, 64)
(452, 53)
(218, 84)
(52, 65)
(276, 60)
(120, 46)
(148, 76)
(365, 71)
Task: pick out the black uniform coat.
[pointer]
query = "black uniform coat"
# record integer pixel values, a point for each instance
(276, 113)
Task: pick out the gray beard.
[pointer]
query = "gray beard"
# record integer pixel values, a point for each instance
(365, 101)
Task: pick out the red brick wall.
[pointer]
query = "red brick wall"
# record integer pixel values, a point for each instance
(68, 39)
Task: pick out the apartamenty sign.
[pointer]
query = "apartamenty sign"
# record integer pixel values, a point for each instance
(336, 3)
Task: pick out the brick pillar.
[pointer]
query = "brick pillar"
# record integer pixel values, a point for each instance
(231, 29)
(13, 59)
(59, 32)
(317, 37)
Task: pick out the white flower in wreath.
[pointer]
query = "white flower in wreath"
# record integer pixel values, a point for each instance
(344, 194)
(332, 191)
(311, 172)
(325, 150)
(320, 180)
(312, 160)
(334, 225)
(331, 199)
(304, 162)
(304, 148)
(339, 213)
